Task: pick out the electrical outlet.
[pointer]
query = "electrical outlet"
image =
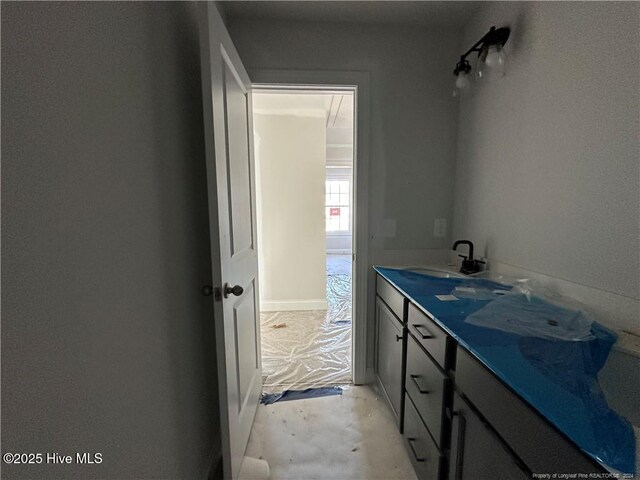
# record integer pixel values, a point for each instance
(440, 227)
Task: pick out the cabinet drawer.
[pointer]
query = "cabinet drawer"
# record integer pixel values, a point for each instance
(536, 442)
(424, 454)
(425, 385)
(392, 297)
(431, 336)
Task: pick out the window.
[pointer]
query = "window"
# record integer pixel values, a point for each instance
(337, 206)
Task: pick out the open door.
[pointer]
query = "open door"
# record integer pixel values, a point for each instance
(231, 190)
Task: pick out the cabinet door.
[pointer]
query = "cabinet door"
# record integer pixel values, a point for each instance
(476, 451)
(543, 449)
(389, 355)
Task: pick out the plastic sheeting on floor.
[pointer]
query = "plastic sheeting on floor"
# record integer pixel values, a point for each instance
(339, 298)
(309, 349)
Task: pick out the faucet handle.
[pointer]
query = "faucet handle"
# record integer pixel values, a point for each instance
(463, 256)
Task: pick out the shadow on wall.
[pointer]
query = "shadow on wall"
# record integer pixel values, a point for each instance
(105, 241)
(185, 229)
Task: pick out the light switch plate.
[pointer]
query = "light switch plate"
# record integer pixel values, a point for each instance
(440, 227)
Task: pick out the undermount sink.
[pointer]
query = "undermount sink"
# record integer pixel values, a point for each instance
(434, 272)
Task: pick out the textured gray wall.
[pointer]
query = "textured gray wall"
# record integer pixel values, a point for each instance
(548, 164)
(412, 124)
(107, 343)
(413, 117)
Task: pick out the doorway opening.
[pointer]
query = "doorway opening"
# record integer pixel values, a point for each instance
(304, 153)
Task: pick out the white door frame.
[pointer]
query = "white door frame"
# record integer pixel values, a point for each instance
(358, 82)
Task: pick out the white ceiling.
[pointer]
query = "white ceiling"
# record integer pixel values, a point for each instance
(283, 103)
(425, 13)
(340, 113)
(337, 109)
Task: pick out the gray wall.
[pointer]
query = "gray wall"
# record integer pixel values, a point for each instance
(106, 339)
(413, 116)
(413, 121)
(547, 174)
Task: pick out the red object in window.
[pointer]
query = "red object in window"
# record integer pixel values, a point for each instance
(334, 211)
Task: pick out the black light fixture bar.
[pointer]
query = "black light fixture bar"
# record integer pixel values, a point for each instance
(495, 36)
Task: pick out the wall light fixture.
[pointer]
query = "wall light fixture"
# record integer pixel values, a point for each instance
(491, 59)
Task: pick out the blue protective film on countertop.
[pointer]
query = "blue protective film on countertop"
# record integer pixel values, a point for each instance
(556, 377)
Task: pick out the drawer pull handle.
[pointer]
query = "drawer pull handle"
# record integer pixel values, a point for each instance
(414, 379)
(418, 326)
(413, 450)
(461, 438)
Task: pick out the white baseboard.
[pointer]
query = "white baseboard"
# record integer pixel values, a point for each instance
(290, 305)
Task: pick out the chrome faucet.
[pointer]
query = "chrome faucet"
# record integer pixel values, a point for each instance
(469, 265)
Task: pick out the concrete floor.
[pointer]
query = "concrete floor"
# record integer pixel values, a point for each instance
(352, 436)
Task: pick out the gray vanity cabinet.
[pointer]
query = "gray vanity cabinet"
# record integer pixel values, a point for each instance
(389, 341)
(542, 449)
(460, 421)
(477, 453)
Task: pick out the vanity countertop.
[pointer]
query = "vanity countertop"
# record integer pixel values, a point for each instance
(558, 378)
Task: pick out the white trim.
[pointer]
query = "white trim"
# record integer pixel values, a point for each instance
(358, 82)
(338, 251)
(291, 305)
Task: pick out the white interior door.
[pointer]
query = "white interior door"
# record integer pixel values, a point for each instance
(231, 185)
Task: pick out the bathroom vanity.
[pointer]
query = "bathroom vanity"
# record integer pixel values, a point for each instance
(473, 402)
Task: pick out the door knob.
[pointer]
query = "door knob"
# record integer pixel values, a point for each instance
(207, 290)
(236, 290)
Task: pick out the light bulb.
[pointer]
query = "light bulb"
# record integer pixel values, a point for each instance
(462, 81)
(495, 56)
(491, 63)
